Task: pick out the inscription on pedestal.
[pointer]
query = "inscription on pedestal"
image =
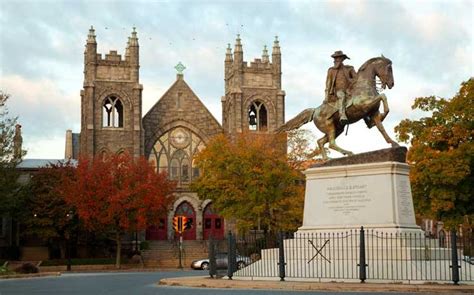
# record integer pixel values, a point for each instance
(347, 199)
(405, 205)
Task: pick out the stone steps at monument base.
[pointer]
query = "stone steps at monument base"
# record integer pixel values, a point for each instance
(400, 271)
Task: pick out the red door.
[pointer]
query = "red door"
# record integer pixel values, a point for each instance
(213, 224)
(185, 209)
(157, 232)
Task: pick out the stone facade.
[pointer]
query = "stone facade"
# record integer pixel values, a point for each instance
(178, 126)
(252, 90)
(111, 77)
(179, 106)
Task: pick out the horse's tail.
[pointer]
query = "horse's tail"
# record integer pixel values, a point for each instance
(298, 121)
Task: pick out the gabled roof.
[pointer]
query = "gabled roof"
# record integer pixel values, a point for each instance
(189, 112)
(34, 164)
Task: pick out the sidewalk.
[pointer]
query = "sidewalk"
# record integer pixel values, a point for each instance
(30, 275)
(207, 282)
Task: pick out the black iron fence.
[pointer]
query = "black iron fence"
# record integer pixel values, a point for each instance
(353, 255)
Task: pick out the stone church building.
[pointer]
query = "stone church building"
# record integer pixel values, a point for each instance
(178, 126)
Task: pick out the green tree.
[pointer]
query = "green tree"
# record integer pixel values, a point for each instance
(442, 156)
(9, 186)
(250, 180)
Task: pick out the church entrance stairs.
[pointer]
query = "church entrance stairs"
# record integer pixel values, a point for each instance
(165, 254)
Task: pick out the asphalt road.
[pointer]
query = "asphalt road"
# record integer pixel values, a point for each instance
(126, 283)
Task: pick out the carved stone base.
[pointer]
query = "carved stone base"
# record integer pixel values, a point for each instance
(397, 154)
(370, 190)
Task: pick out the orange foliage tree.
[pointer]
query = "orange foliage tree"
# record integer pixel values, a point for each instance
(249, 180)
(442, 156)
(117, 194)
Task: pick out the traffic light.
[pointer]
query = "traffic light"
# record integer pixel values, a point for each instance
(176, 223)
(188, 224)
(184, 219)
(182, 223)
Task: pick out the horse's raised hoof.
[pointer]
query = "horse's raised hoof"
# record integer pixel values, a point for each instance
(394, 144)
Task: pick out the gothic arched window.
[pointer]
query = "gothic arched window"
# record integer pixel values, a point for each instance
(174, 153)
(112, 112)
(257, 116)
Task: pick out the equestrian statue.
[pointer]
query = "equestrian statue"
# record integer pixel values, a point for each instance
(350, 96)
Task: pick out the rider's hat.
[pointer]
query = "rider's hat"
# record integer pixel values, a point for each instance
(338, 54)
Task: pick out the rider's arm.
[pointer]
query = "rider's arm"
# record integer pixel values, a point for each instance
(352, 73)
(328, 86)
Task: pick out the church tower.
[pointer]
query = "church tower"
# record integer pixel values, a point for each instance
(111, 101)
(253, 97)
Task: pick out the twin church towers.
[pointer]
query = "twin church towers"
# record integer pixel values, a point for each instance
(111, 100)
(178, 125)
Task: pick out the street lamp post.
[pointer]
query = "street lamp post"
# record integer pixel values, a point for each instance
(69, 217)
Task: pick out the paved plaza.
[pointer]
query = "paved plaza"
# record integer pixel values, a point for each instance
(125, 283)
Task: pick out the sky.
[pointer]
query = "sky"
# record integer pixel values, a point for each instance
(42, 43)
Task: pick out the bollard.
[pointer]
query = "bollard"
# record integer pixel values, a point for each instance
(212, 258)
(231, 256)
(454, 258)
(281, 257)
(362, 265)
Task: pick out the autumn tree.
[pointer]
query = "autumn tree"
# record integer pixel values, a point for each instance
(45, 214)
(442, 156)
(117, 194)
(250, 181)
(9, 186)
(301, 149)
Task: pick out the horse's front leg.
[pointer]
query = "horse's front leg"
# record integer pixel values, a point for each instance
(377, 118)
(332, 143)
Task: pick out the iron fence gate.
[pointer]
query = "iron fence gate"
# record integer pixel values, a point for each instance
(352, 255)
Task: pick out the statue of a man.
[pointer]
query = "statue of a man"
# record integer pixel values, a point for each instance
(338, 80)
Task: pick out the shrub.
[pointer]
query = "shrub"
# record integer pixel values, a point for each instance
(27, 268)
(5, 271)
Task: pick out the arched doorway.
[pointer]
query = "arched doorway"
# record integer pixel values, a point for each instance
(213, 224)
(185, 209)
(158, 231)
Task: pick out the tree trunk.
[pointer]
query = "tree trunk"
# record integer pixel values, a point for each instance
(62, 250)
(119, 250)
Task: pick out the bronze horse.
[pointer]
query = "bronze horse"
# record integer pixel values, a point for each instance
(364, 103)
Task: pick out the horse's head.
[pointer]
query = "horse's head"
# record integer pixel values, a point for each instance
(382, 68)
(385, 73)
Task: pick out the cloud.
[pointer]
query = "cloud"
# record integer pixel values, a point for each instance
(44, 111)
(41, 50)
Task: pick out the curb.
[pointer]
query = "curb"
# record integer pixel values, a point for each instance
(207, 282)
(31, 275)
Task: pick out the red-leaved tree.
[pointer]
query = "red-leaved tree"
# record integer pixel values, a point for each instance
(117, 194)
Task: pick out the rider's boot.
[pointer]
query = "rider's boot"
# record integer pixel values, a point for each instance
(342, 108)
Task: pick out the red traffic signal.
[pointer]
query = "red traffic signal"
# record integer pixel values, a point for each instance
(182, 223)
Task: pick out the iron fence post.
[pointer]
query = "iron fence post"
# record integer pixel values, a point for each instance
(362, 265)
(231, 256)
(212, 258)
(454, 258)
(281, 257)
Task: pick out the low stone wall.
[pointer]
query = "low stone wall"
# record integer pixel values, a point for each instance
(34, 253)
